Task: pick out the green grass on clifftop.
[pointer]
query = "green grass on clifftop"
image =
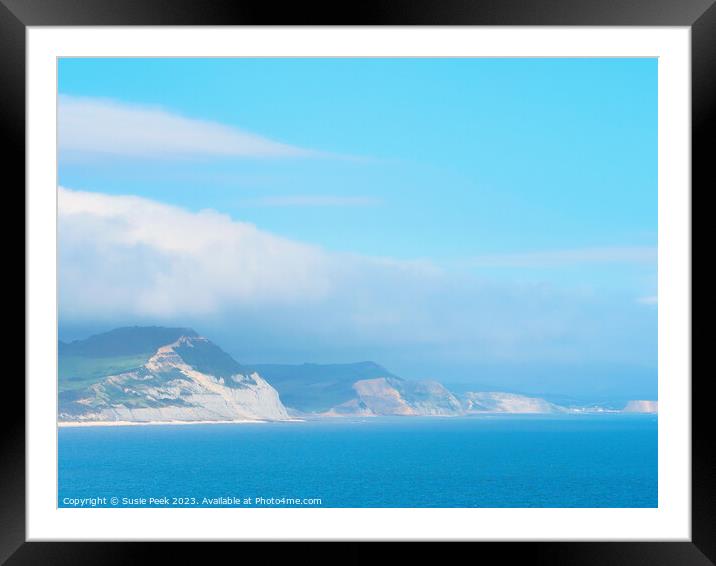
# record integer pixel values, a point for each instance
(77, 372)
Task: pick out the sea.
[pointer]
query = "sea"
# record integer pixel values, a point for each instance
(606, 460)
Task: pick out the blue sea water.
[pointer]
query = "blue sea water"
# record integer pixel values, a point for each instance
(485, 461)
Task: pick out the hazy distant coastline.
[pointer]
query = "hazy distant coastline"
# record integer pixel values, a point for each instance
(147, 423)
(158, 375)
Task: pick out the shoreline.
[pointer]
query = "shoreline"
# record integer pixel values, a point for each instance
(79, 424)
(73, 424)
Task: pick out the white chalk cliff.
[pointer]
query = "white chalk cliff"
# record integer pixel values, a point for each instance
(641, 406)
(392, 396)
(177, 383)
(500, 402)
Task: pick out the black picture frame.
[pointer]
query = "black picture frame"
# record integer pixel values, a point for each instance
(699, 15)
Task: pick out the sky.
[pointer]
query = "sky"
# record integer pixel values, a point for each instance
(488, 221)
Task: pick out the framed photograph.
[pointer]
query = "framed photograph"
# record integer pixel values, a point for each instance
(419, 275)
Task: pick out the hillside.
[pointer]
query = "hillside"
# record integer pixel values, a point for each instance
(390, 396)
(316, 388)
(500, 402)
(154, 374)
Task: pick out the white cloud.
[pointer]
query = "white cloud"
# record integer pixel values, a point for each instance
(133, 255)
(134, 260)
(98, 126)
(317, 200)
(549, 258)
(128, 254)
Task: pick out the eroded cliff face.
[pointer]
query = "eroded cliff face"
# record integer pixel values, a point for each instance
(398, 397)
(168, 388)
(388, 396)
(500, 402)
(641, 406)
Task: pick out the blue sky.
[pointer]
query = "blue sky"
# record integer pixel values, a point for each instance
(499, 176)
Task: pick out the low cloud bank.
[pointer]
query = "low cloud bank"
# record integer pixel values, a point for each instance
(126, 258)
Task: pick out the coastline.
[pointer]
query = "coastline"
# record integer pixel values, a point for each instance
(78, 424)
(70, 424)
